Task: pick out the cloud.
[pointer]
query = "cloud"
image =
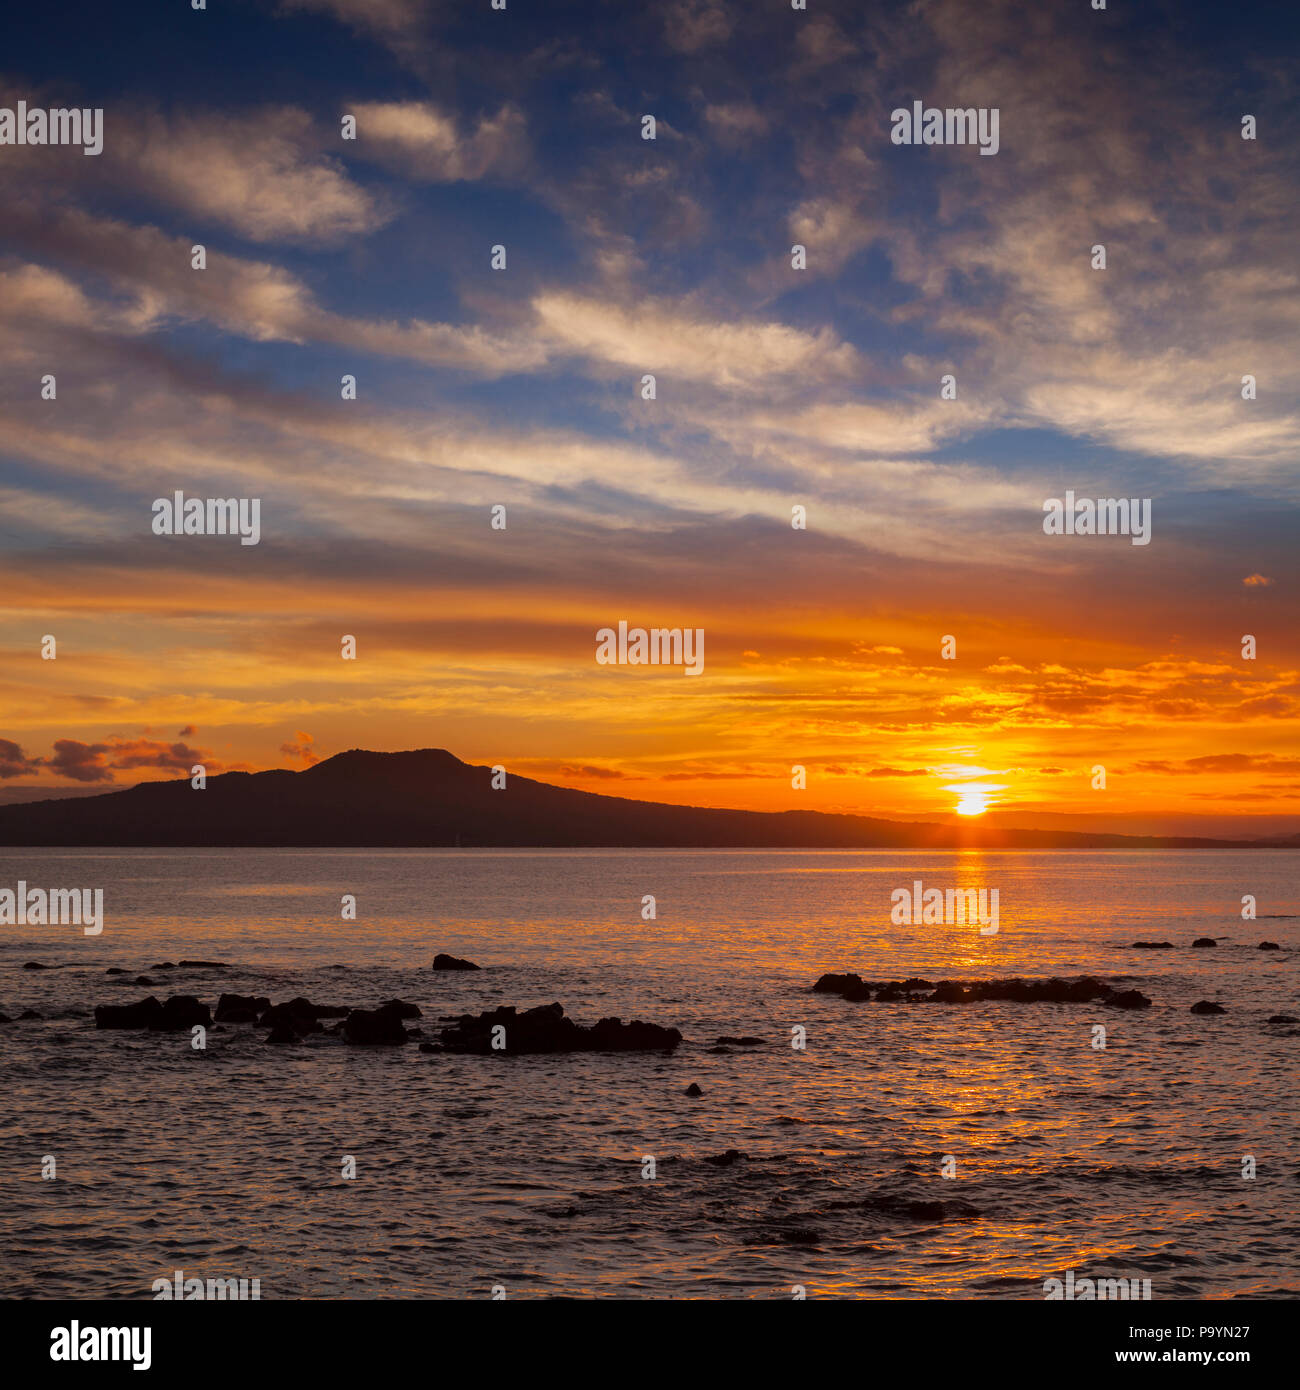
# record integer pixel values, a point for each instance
(679, 338)
(420, 141)
(693, 25)
(1256, 581)
(261, 173)
(97, 762)
(14, 762)
(301, 750)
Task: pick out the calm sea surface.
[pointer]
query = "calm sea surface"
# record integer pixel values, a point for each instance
(527, 1171)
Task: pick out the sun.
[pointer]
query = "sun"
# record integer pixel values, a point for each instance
(972, 803)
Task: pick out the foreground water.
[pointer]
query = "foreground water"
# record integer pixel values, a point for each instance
(527, 1172)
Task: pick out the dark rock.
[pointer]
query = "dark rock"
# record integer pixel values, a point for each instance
(836, 984)
(725, 1160)
(693, 1090)
(142, 980)
(28, 1015)
(546, 1029)
(401, 1008)
(36, 965)
(164, 965)
(241, 1008)
(430, 1047)
(282, 1034)
(1205, 1007)
(180, 1011)
(1283, 1018)
(442, 961)
(1269, 946)
(1128, 999)
(301, 1014)
(114, 970)
(1205, 941)
(1153, 946)
(128, 1015)
(375, 1027)
(742, 1042)
(1083, 990)
(4, 1018)
(202, 965)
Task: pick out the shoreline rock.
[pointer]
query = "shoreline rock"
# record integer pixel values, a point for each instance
(442, 961)
(1086, 989)
(545, 1029)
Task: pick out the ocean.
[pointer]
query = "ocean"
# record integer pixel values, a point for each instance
(594, 1175)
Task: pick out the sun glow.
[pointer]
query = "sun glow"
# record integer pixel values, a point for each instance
(972, 804)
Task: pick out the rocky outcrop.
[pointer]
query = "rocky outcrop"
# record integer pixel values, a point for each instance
(1152, 946)
(442, 961)
(1269, 946)
(546, 1029)
(1083, 990)
(241, 1008)
(401, 1009)
(375, 1027)
(300, 1014)
(138, 1015)
(1205, 941)
(1204, 1006)
(180, 1011)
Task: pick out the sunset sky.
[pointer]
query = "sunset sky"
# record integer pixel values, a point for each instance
(775, 388)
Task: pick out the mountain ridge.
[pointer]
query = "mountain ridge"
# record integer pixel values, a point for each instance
(429, 798)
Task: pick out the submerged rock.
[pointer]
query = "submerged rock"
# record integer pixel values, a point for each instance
(180, 1011)
(442, 961)
(36, 965)
(1269, 946)
(281, 1035)
(241, 1008)
(546, 1029)
(1152, 946)
(114, 970)
(1205, 941)
(29, 1016)
(725, 1160)
(138, 1015)
(1128, 999)
(300, 1014)
(693, 1090)
(1083, 990)
(1206, 1007)
(375, 1027)
(741, 1042)
(401, 1008)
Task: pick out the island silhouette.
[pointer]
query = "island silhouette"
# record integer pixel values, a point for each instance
(428, 798)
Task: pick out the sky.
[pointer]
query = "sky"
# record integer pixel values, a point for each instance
(776, 388)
